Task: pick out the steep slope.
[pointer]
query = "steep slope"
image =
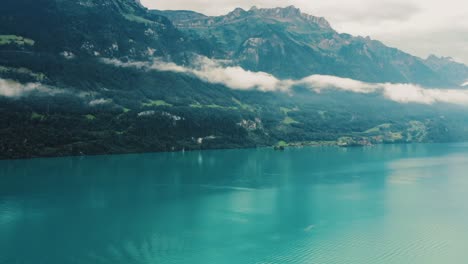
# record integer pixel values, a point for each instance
(110, 28)
(291, 44)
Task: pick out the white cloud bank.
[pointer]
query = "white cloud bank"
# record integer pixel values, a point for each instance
(398, 92)
(215, 72)
(235, 77)
(10, 88)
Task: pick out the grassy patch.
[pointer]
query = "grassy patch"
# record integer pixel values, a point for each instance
(197, 105)
(378, 128)
(17, 40)
(243, 106)
(395, 136)
(23, 71)
(289, 121)
(286, 110)
(213, 106)
(156, 103)
(90, 117)
(282, 143)
(36, 116)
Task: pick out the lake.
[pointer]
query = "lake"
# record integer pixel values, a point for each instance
(382, 204)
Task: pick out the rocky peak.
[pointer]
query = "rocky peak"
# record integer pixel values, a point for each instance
(291, 13)
(322, 22)
(278, 12)
(435, 58)
(236, 13)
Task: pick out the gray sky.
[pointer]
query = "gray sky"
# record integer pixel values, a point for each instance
(420, 27)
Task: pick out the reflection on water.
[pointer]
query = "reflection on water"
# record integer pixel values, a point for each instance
(385, 204)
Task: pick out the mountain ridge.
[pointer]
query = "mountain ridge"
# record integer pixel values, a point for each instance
(250, 37)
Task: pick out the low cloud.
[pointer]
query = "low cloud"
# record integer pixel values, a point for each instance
(10, 88)
(408, 93)
(235, 77)
(398, 92)
(465, 84)
(321, 82)
(215, 72)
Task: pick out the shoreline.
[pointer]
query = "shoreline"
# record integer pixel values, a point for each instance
(291, 145)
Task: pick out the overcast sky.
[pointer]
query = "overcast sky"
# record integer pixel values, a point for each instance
(420, 27)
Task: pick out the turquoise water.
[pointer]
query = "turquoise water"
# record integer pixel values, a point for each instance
(385, 204)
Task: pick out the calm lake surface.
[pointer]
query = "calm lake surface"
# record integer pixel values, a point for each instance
(385, 204)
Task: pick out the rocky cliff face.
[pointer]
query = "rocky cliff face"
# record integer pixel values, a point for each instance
(291, 14)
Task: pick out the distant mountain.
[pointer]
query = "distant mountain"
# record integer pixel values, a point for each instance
(77, 78)
(291, 44)
(446, 66)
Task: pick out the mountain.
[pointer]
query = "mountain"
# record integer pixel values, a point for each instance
(108, 28)
(292, 44)
(449, 68)
(82, 78)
